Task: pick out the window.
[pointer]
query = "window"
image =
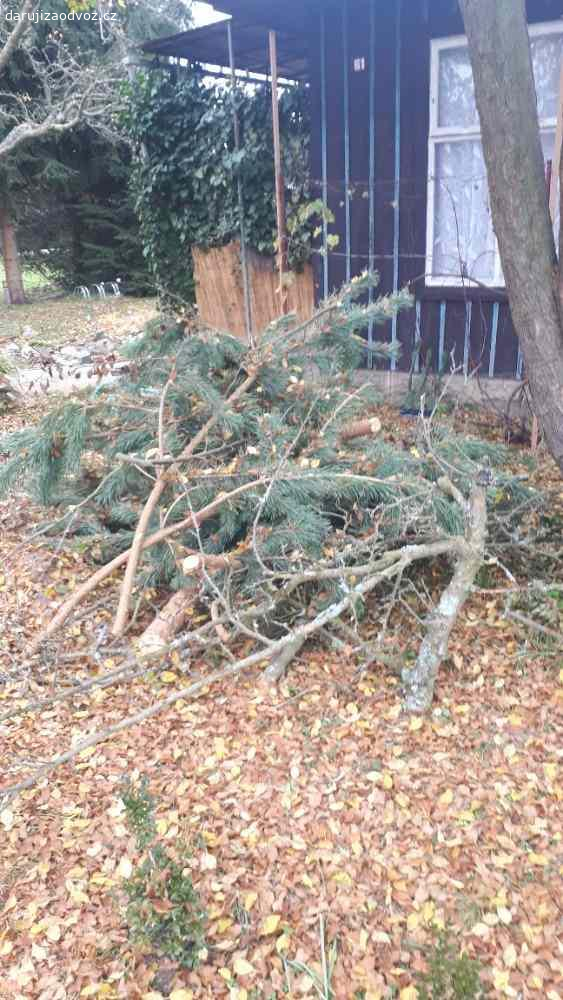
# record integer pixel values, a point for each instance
(461, 242)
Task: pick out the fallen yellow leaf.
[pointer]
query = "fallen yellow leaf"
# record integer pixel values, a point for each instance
(125, 868)
(270, 924)
(550, 771)
(446, 798)
(501, 979)
(510, 956)
(282, 944)
(243, 968)
(342, 878)
(167, 677)
(224, 924)
(409, 993)
(480, 930)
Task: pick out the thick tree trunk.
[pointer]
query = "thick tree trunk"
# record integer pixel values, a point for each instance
(11, 257)
(420, 681)
(506, 100)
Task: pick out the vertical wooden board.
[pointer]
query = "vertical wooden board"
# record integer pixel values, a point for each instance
(220, 296)
(455, 332)
(219, 291)
(431, 334)
(315, 93)
(359, 36)
(385, 151)
(335, 139)
(406, 329)
(507, 345)
(480, 336)
(414, 141)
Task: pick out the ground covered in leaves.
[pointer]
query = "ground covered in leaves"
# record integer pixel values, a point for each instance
(59, 320)
(319, 805)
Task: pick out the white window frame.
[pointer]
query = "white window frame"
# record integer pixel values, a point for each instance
(456, 134)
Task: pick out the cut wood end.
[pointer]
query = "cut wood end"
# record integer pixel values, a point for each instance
(191, 563)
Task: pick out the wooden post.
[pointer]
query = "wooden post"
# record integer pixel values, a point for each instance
(280, 186)
(240, 197)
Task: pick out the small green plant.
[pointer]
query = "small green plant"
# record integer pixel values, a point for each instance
(451, 974)
(329, 955)
(139, 812)
(163, 910)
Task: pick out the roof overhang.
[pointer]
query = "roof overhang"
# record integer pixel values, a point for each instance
(250, 26)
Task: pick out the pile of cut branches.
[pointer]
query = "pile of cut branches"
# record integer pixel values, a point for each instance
(253, 483)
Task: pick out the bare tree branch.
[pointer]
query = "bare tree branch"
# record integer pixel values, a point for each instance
(22, 25)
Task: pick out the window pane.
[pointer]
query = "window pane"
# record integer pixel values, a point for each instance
(546, 57)
(456, 97)
(456, 103)
(464, 241)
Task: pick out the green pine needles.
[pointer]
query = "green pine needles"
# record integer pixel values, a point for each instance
(267, 485)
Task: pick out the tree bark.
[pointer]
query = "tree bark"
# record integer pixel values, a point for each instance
(276, 669)
(21, 26)
(11, 257)
(506, 99)
(420, 681)
(171, 618)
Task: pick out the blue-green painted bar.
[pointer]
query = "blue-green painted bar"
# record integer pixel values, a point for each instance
(417, 334)
(467, 338)
(371, 116)
(494, 334)
(346, 60)
(397, 193)
(442, 335)
(324, 153)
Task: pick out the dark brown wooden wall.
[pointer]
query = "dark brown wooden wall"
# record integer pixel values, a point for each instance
(422, 20)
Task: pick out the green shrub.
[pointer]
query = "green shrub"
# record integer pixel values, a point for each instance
(164, 911)
(451, 974)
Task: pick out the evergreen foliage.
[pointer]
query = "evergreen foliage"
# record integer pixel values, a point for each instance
(83, 229)
(305, 495)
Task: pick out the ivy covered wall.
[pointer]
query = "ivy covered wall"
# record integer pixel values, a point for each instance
(185, 171)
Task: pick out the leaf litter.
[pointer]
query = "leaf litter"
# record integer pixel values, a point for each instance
(318, 802)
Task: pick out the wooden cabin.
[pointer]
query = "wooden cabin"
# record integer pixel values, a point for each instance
(396, 153)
